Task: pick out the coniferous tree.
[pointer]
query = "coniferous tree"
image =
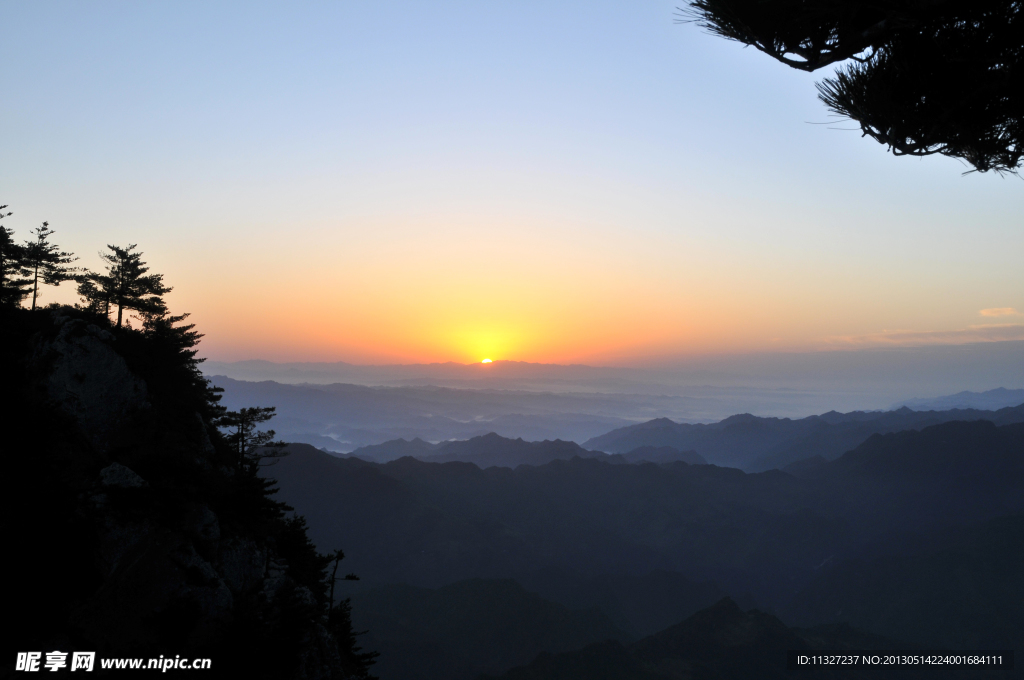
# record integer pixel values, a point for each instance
(252, 446)
(95, 289)
(183, 338)
(921, 76)
(12, 281)
(126, 285)
(43, 261)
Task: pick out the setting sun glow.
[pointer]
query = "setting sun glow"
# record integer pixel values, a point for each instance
(486, 361)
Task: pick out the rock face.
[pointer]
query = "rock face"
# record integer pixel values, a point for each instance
(158, 574)
(176, 552)
(119, 476)
(89, 380)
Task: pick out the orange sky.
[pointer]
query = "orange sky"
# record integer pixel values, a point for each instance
(556, 182)
(404, 290)
(554, 293)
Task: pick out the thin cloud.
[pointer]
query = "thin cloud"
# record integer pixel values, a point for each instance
(980, 333)
(999, 311)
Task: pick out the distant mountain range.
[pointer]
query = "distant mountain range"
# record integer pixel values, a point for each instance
(488, 450)
(990, 400)
(658, 454)
(777, 383)
(492, 450)
(343, 417)
(756, 444)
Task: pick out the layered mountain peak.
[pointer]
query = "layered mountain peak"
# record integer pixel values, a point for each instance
(717, 630)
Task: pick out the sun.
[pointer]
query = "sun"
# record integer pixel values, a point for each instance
(486, 361)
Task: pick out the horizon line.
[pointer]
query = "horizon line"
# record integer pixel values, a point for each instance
(636, 363)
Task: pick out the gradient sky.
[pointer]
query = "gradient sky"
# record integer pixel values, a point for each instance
(554, 182)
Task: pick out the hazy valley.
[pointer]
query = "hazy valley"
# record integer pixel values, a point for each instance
(573, 403)
(565, 533)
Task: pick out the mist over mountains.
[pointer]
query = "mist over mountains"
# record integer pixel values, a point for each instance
(343, 417)
(341, 407)
(989, 400)
(385, 423)
(793, 384)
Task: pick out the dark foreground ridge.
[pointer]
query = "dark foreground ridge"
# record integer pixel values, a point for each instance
(133, 532)
(720, 642)
(914, 536)
(471, 627)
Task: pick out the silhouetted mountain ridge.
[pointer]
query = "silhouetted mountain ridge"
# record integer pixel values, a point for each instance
(756, 444)
(998, 398)
(493, 450)
(394, 449)
(951, 473)
(659, 454)
(487, 450)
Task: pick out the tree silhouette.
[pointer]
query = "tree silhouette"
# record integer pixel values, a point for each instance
(339, 619)
(95, 289)
(43, 261)
(250, 445)
(12, 283)
(337, 557)
(924, 76)
(126, 285)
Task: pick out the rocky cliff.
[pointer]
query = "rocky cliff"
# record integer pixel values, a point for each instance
(132, 533)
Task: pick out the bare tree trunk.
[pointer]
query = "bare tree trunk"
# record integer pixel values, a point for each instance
(35, 285)
(334, 579)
